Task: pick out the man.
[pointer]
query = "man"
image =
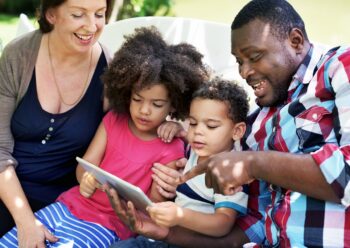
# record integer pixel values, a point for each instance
(299, 140)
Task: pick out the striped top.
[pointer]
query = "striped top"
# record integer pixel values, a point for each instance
(196, 196)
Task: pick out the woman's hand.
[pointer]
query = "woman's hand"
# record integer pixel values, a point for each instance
(34, 234)
(88, 185)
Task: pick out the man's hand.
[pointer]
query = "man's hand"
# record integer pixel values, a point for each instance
(34, 235)
(167, 178)
(88, 185)
(136, 220)
(225, 172)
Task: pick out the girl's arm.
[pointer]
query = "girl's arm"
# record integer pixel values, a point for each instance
(94, 155)
(217, 224)
(154, 193)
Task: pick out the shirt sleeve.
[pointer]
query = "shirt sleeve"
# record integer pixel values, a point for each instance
(238, 201)
(334, 159)
(7, 108)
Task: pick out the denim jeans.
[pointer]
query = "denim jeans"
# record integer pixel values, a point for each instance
(141, 242)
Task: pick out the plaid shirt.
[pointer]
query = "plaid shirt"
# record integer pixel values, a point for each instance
(315, 120)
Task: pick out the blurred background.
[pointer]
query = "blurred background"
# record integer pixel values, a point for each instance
(326, 21)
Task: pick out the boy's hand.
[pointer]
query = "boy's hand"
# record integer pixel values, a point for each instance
(88, 185)
(170, 129)
(165, 214)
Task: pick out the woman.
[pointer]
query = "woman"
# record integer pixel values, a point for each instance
(51, 102)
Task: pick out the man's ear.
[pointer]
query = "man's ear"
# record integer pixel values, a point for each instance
(297, 40)
(238, 130)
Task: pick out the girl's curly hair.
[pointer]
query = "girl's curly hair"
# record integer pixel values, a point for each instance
(145, 59)
(229, 92)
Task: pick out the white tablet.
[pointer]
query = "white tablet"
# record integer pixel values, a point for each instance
(125, 189)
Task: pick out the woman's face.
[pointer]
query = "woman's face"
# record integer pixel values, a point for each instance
(78, 23)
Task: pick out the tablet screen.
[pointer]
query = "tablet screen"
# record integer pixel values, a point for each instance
(125, 189)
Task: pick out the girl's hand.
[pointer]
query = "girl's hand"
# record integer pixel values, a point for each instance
(34, 234)
(88, 185)
(170, 129)
(165, 214)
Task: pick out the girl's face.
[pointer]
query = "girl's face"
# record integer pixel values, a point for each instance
(211, 131)
(78, 23)
(148, 109)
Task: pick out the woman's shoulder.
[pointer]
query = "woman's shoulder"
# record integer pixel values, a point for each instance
(27, 43)
(108, 54)
(27, 39)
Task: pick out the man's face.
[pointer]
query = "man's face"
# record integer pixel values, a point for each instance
(265, 61)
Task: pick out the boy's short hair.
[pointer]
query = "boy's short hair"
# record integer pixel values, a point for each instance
(229, 92)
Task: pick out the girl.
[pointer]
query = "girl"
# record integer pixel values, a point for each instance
(146, 81)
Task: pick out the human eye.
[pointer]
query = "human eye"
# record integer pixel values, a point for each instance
(239, 61)
(192, 124)
(100, 14)
(212, 127)
(77, 15)
(158, 105)
(254, 57)
(136, 99)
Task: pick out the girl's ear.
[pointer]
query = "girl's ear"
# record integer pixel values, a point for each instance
(238, 130)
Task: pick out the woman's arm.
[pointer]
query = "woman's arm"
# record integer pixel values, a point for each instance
(217, 224)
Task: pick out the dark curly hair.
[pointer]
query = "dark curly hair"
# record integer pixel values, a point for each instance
(279, 13)
(145, 59)
(229, 92)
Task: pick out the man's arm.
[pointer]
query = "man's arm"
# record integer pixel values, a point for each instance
(186, 238)
(295, 172)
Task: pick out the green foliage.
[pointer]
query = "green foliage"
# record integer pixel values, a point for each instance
(130, 8)
(136, 8)
(19, 6)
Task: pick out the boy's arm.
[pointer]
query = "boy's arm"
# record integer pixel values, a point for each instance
(154, 193)
(216, 224)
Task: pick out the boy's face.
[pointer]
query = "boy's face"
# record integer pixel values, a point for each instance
(211, 130)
